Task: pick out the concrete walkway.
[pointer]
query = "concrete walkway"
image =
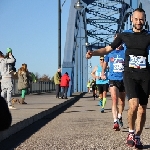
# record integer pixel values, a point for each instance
(38, 106)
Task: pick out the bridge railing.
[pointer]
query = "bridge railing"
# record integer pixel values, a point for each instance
(38, 87)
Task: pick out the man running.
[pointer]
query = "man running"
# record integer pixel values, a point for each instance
(102, 85)
(136, 73)
(94, 88)
(117, 90)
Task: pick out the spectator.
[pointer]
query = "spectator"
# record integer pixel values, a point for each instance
(23, 82)
(6, 81)
(57, 79)
(64, 85)
(12, 67)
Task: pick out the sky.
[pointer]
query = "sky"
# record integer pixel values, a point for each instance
(30, 28)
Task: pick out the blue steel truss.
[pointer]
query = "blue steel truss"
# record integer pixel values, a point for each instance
(104, 16)
(101, 30)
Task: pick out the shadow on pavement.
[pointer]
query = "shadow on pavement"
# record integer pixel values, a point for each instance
(146, 147)
(18, 138)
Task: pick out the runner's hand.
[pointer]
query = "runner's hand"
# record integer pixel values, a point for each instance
(88, 54)
(103, 77)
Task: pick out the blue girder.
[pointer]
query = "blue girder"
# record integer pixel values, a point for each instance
(74, 61)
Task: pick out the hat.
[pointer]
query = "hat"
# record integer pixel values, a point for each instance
(9, 50)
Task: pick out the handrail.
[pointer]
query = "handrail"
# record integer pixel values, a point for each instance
(38, 87)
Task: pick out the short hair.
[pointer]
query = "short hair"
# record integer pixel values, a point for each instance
(140, 10)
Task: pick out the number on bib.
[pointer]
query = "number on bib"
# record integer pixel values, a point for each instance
(137, 62)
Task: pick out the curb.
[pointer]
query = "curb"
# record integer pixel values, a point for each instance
(28, 121)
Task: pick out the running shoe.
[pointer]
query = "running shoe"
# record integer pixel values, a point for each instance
(138, 143)
(116, 126)
(120, 122)
(102, 110)
(131, 139)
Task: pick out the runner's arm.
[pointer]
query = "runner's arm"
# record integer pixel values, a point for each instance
(103, 51)
(93, 72)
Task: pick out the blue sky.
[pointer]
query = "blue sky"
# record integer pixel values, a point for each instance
(30, 28)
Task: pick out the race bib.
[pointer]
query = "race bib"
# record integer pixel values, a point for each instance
(118, 64)
(137, 62)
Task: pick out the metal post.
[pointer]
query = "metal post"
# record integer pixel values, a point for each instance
(59, 33)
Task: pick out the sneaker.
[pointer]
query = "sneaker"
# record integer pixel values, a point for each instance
(131, 139)
(24, 103)
(11, 107)
(102, 110)
(116, 126)
(120, 122)
(138, 143)
(100, 103)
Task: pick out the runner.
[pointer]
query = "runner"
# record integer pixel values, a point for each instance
(117, 90)
(94, 88)
(136, 73)
(102, 85)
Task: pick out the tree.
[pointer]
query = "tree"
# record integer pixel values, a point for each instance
(44, 78)
(37, 75)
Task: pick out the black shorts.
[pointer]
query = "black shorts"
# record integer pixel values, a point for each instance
(117, 83)
(94, 88)
(137, 85)
(102, 88)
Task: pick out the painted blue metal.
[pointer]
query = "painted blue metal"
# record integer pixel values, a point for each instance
(88, 1)
(73, 54)
(74, 61)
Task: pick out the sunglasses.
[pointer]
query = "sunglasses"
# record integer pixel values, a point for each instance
(101, 59)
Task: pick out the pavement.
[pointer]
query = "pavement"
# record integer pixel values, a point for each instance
(79, 126)
(37, 107)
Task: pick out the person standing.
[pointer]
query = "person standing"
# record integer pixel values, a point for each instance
(57, 79)
(94, 88)
(64, 84)
(6, 75)
(136, 73)
(102, 85)
(23, 82)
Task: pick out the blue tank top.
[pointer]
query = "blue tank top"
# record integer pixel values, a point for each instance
(98, 73)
